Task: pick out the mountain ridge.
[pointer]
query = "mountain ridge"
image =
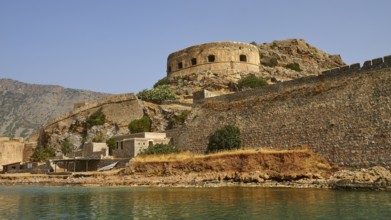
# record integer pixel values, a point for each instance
(26, 107)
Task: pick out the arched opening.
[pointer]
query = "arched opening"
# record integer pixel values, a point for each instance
(193, 61)
(180, 65)
(243, 58)
(211, 58)
(169, 69)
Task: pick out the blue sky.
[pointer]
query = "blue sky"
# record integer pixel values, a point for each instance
(122, 46)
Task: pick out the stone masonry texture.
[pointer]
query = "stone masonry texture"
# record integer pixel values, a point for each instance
(343, 115)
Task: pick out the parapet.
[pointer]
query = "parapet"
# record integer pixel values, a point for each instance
(201, 97)
(218, 57)
(378, 63)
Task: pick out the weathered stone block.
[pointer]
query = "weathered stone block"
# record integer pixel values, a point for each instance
(344, 68)
(387, 59)
(377, 62)
(355, 66)
(367, 64)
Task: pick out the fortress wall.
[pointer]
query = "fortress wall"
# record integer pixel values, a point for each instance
(227, 59)
(11, 152)
(343, 114)
(93, 105)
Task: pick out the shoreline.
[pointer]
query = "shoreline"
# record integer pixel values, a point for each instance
(116, 178)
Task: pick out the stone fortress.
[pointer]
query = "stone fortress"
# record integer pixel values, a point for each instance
(344, 115)
(218, 57)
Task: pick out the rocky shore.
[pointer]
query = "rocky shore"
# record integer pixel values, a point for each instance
(375, 178)
(293, 168)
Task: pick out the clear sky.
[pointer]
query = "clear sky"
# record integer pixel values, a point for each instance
(121, 46)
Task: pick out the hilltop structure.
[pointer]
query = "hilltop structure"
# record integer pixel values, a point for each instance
(218, 57)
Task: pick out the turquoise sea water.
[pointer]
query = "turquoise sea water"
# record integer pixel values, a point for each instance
(36, 202)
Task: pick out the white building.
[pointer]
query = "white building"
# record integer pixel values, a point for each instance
(128, 146)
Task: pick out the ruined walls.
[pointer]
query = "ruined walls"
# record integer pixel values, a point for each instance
(343, 114)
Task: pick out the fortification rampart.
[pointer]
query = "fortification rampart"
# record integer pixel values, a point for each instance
(11, 151)
(93, 105)
(343, 114)
(219, 57)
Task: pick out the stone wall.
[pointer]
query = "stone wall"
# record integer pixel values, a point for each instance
(11, 152)
(228, 57)
(343, 114)
(85, 107)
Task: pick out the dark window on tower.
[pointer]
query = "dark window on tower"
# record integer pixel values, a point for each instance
(243, 58)
(180, 65)
(193, 61)
(211, 58)
(169, 69)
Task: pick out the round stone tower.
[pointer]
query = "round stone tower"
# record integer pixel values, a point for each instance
(217, 57)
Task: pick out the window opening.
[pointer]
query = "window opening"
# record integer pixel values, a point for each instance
(243, 58)
(211, 58)
(193, 61)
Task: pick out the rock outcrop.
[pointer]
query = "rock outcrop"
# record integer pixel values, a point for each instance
(372, 178)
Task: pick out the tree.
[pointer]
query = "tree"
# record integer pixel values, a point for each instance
(111, 144)
(226, 138)
(160, 149)
(251, 81)
(66, 146)
(140, 125)
(41, 154)
(96, 118)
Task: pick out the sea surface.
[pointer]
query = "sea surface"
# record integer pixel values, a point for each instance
(44, 202)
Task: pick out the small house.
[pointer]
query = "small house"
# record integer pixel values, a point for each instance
(128, 146)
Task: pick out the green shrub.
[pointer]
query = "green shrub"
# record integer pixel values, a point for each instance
(111, 144)
(226, 138)
(161, 82)
(41, 154)
(66, 146)
(160, 149)
(140, 125)
(251, 81)
(157, 94)
(96, 118)
(293, 66)
(254, 43)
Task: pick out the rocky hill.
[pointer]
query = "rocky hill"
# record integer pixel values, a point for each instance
(26, 107)
(280, 61)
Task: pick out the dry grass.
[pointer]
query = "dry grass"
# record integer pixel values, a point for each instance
(188, 155)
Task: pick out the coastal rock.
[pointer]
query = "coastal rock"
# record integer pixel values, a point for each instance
(372, 178)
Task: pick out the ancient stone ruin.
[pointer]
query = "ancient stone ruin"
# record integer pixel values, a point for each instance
(218, 57)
